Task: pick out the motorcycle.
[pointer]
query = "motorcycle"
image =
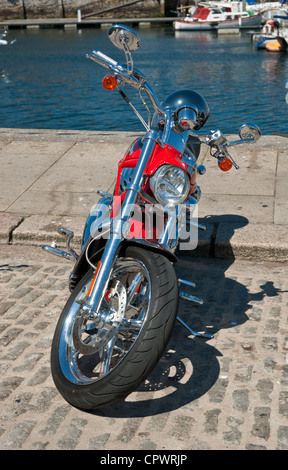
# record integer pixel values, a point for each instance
(124, 296)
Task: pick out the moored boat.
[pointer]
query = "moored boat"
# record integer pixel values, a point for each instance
(273, 37)
(217, 18)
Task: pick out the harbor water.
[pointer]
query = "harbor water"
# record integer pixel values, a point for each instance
(46, 82)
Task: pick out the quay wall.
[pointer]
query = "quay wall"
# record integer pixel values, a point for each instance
(28, 9)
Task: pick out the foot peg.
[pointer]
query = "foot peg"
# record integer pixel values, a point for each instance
(187, 283)
(191, 298)
(70, 254)
(55, 251)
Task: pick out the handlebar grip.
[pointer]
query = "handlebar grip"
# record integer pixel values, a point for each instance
(102, 59)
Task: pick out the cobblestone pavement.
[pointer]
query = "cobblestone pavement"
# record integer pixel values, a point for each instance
(230, 392)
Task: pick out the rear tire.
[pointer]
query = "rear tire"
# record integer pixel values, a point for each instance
(95, 364)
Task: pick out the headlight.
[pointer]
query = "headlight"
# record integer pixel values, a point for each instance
(170, 185)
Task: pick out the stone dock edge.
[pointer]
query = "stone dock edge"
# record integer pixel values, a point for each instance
(261, 242)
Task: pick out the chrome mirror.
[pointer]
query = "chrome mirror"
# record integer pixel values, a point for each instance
(249, 131)
(124, 37)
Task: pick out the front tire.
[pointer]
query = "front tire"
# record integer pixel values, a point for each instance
(99, 361)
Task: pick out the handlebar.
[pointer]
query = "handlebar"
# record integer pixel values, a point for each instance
(214, 139)
(136, 79)
(111, 64)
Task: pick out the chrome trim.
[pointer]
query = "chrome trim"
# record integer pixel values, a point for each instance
(123, 36)
(110, 323)
(170, 233)
(201, 170)
(196, 195)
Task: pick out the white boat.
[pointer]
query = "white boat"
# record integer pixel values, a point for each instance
(266, 9)
(249, 5)
(214, 18)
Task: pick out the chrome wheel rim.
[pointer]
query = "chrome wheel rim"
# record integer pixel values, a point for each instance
(89, 349)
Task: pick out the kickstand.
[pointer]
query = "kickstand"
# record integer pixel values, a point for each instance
(195, 333)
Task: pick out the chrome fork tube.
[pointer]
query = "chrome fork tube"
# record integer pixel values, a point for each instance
(117, 228)
(169, 232)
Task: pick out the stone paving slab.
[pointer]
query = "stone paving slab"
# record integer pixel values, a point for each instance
(221, 239)
(260, 242)
(8, 223)
(54, 175)
(37, 230)
(228, 393)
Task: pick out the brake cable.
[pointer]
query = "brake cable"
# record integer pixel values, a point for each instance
(125, 97)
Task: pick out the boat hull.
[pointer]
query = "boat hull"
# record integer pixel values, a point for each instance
(273, 44)
(188, 24)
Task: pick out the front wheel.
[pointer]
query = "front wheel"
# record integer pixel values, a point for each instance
(96, 362)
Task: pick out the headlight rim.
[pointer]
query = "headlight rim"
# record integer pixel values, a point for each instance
(156, 178)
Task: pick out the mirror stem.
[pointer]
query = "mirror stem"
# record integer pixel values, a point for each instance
(238, 142)
(128, 56)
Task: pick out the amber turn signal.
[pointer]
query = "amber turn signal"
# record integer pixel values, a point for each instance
(109, 82)
(225, 164)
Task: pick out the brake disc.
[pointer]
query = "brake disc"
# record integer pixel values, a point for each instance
(89, 336)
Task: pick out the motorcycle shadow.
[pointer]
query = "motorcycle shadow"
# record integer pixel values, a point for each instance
(190, 367)
(180, 377)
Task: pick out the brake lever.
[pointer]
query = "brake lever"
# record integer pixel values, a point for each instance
(232, 160)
